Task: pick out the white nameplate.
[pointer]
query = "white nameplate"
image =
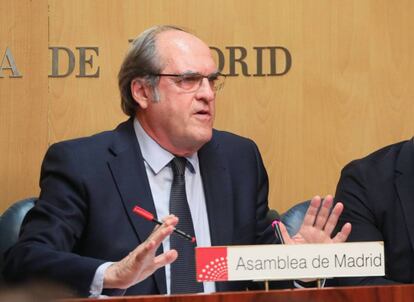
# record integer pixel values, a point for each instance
(284, 262)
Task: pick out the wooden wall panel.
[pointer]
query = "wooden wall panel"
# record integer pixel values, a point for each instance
(83, 106)
(348, 92)
(23, 101)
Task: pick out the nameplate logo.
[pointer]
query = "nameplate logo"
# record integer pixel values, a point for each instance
(287, 262)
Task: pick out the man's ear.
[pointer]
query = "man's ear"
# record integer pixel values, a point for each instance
(140, 91)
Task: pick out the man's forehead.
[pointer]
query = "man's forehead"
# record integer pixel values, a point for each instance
(178, 39)
(184, 51)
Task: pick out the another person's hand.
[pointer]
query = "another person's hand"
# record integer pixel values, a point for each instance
(142, 262)
(319, 223)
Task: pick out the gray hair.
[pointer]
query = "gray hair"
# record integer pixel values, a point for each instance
(141, 61)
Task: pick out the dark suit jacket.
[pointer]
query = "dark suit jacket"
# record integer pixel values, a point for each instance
(89, 186)
(378, 194)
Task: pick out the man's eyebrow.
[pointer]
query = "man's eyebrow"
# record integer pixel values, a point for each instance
(190, 73)
(193, 73)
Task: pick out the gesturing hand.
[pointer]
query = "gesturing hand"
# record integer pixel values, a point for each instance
(317, 227)
(142, 262)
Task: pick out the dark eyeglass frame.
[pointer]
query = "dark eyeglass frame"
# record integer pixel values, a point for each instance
(183, 76)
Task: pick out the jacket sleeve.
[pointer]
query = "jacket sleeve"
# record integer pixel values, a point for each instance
(52, 231)
(359, 211)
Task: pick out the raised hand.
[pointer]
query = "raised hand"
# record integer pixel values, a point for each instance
(142, 262)
(317, 227)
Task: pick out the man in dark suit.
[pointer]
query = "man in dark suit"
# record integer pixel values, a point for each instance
(378, 195)
(82, 231)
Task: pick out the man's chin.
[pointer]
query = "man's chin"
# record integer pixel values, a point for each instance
(202, 138)
(206, 135)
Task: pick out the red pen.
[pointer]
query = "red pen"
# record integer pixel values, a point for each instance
(149, 216)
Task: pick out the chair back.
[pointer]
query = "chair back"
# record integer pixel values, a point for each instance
(293, 218)
(10, 223)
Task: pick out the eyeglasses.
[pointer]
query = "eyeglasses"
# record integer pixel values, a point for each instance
(191, 82)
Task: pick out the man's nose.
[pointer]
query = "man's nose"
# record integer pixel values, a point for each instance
(206, 91)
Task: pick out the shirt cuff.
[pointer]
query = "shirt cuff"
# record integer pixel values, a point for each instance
(97, 282)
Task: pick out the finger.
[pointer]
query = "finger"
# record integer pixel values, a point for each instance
(155, 239)
(147, 266)
(161, 233)
(148, 246)
(170, 220)
(144, 261)
(333, 218)
(285, 234)
(324, 212)
(165, 258)
(134, 260)
(145, 249)
(342, 236)
(312, 211)
(167, 220)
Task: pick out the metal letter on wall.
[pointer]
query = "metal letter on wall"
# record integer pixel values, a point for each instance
(83, 61)
(55, 62)
(269, 60)
(288, 60)
(259, 61)
(8, 56)
(220, 58)
(240, 60)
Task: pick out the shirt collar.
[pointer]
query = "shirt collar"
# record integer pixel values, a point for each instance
(156, 156)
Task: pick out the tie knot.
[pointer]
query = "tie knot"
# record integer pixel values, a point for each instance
(178, 165)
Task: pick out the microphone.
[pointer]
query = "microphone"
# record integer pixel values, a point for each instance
(274, 218)
(272, 215)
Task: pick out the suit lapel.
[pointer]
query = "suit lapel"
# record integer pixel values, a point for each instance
(217, 189)
(128, 170)
(404, 183)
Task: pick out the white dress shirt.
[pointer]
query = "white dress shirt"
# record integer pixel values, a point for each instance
(160, 176)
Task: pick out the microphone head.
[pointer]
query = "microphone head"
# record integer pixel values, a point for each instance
(274, 219)
(271, 216)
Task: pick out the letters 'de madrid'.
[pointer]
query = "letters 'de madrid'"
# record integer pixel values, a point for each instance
(83, 61)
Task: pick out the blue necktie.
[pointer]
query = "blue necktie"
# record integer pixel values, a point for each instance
(183, 273)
